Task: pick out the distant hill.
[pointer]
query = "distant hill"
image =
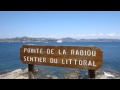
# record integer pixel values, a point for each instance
(43, 39)
(68, 39)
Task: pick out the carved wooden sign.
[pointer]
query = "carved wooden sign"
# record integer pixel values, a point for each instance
(86, 57)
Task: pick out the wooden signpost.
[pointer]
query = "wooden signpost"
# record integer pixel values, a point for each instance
(84, 57)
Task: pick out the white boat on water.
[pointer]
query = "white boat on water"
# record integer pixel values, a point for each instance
(59, 41)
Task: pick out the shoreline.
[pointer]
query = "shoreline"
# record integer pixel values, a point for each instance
(22, 73)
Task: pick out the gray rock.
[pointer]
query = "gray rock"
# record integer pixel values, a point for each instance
(72, 75)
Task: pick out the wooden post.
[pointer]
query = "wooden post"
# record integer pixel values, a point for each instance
(91, 74)
(31, 71)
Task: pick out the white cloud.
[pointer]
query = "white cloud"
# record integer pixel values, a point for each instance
(101, 34)
(98, 35)
(79, 36)
(111, 34)
(92, 34)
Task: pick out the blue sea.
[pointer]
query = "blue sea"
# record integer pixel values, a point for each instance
(10, 56)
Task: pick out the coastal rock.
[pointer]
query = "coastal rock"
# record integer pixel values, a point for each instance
(106, 75)
(41, 74)
(16, 74)
(72, 75)
(50, 76)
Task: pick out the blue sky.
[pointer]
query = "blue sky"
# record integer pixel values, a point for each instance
(60, 24)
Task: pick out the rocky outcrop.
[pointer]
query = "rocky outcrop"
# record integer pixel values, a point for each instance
(40, 74)
(107, 75)
(72, 75)
(16, 74)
